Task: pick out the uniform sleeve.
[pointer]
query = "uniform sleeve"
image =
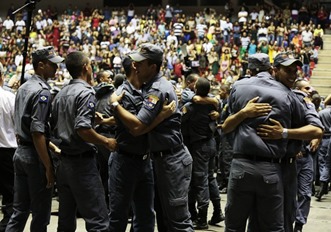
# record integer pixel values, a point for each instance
(152, 105)
(230, 107)
(187, 96)
(186, 110)
(311, 116)
(41, 106)
(85, 111)
(306, 114)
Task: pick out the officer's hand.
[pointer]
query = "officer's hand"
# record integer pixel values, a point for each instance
(168, 109)
(50, 177)
(299, 155)
(214, 115)
(115, 98)
(253, 109)
(111, 144)
(314, 143)
(109, 121)
(98, 118)
(274, 131)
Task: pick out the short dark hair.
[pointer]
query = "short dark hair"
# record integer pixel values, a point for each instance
(75, 62)
(118, 80)
(202, 87)
(101, 73)
(191, 78)
(127, 65)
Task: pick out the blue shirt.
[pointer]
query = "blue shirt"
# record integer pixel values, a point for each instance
(285, 109)
(167, 134)
(73, 109)
(32, 108)
(201, 126)
(132, 101)
(311, 117)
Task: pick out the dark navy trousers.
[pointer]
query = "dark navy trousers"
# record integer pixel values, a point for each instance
(131, 182)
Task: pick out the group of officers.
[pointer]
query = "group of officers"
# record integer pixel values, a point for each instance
(161, 154)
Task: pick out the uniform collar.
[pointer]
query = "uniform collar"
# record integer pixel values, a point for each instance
(80, 81)
(149, 84)
(41, 80)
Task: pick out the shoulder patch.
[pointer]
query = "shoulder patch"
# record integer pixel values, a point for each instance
(90, 105)
(151, 101)
(43, 98)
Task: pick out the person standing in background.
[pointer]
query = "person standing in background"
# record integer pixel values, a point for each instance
(8, 146)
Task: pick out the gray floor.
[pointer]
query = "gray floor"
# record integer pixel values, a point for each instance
(319, 219)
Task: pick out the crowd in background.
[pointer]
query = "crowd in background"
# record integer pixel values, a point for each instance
(214, 44)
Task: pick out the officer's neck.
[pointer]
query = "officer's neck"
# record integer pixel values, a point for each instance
(41, 76)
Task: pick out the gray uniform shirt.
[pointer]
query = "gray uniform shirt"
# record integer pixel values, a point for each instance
(325, 116)
(310, 118)
(285, 108)
(73, 108)
(200, 125)
(132, 102)
(167, 134)
(32, 108)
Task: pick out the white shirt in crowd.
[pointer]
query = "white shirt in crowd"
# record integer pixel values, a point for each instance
(20, 24)
(307, 36)
(8, 24)
(7, 132)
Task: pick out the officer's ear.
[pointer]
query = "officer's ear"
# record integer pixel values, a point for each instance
(41, 65)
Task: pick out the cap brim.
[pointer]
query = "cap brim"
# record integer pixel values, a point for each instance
(137, 57)
(291, 61)
(56, 59)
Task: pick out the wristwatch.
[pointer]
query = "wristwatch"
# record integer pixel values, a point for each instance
(114, 105)
(285, 133)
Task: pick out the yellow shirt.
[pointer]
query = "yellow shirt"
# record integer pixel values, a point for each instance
(317, 31)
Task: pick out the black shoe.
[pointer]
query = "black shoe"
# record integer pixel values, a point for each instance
(201, 226)
(216, 219)
(298, 227)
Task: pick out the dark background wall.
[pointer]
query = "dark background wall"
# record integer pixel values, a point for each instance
(141, 5)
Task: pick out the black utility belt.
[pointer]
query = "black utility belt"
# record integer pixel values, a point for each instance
(142, 156)
(167, 152)
(326, 136)
(257, 158)
(87, 154)
(25, 143)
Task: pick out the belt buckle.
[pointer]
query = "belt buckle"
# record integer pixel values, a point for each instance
(145, 156)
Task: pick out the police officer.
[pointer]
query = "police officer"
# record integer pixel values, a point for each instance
(189, 96)
(323, 154)
(172, 160)
(103, 91)
(305, 165)
(255, 178)
(130, 170)
(202, 148)
(131, 178)
(225, 148)
(311, 129)
(34, 176)
(79, 183)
